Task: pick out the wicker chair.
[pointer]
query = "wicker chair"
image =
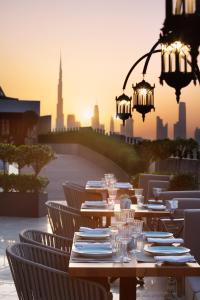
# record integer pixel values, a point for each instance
(35, 279)
(76, 194)
(47, 240)
(65, 222)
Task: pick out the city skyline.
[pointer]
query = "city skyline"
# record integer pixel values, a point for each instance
(95, 61)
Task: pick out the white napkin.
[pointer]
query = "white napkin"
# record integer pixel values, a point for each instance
(87, 245)
(94, 230)
(175, 259)
(123, 185)
(156, 206)
(165, 241)
(95, 183)
(95, 203)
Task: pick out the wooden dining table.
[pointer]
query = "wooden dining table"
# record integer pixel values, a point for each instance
(128, 272)
(109, 212)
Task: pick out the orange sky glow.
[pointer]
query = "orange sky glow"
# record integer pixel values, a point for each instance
(99, 41)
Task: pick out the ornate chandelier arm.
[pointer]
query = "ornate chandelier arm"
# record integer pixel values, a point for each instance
(136, 63)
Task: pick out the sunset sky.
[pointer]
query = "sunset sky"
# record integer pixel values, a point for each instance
(99, 41)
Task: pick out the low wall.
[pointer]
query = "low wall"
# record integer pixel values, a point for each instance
(175, 165)
(108, 165)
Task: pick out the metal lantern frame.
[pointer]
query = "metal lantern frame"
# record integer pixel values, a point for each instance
(179, 41)
(123, 107)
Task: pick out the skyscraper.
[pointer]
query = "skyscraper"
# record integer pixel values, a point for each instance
(71, 121)
(161, 130)
(180, 126)
(112, 125)
(129, 127)
(95, 118)
(197, 135)
(60, 115)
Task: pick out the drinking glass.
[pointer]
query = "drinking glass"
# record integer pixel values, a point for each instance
(124, 235)
(140, 200)
(137, 227)
(112, 193)
(138, 192)
(156, 192)
(173, 205)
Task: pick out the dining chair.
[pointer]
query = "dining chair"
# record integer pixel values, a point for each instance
(47, 240)
(176, 223)
(144, 179)
(76, 194)
(37, 279)
(65, 221)
(192, 241)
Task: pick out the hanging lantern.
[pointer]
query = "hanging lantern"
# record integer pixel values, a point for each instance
(180, 41)
(123, 107)
(143, 98)
(176, 68)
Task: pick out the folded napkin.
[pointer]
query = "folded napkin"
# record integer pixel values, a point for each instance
(95, 183)
(95, 203)
(175, 259)
(85, 245)
(156, 206)
(123, 185)
(94, 230)
(165, 240)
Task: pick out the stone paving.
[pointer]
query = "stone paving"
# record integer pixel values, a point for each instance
(78, 170)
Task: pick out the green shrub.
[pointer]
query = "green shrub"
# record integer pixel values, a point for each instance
(22, 183)
(181, 182)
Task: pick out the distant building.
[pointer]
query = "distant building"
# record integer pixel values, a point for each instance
(197, 135)
(20, 120)
(122, 129)
(60, 115)
(71, 121)
(180, 126)
(129, 128)
(95, 119)
(44, 124)
(161, 130)
(112, 125)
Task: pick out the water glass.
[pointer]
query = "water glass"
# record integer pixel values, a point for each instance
(137, 227)
(173, 205)
(156, 192)
(140, 200)
(124, 235)
(138, 192)
(112, 193)
(140, 242)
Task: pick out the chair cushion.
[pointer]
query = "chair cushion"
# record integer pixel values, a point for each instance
(192, 286)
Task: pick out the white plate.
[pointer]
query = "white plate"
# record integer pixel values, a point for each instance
(92, 235)
(166, 250)
(157, 234)
(93, 252)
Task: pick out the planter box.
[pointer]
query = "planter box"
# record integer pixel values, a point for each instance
(30, 205)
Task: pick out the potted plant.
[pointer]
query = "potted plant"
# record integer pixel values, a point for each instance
(23, 195)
